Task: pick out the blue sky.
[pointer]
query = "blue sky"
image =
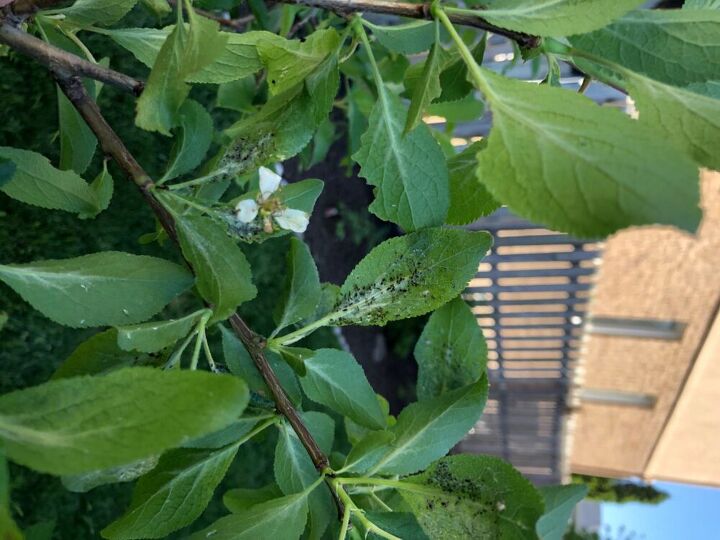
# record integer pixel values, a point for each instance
(691, 513)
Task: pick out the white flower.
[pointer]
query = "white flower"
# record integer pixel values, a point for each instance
(246, 210)
(292, 220)
(289, 219)
(269, 183)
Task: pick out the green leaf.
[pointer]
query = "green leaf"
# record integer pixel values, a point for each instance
(471, 496)
(425, 431)
(108, 288)
(701, 4)
(42, 530)
(82, 483)
(191, 145)
(469, 198)
(554, 17)
(450, 352)
(228, 435)
(239, 362)
(256, 139)
(676, 46)
(159, 8)
(77, 141)
(70, 426)
(4, 481)
(301, 290)
(7, 170)
(409, 276)
(184, 52)
(240, 58)
(98, 355)
(560, 502)
(289, 62)
(237, 95)
(336, 380)
(300, 110)
(454, 81)
(707, 88)
(102, 187)
(301, 195)
(3, 319)
(409, 38)
(409, 171)
(556, 158)
(156, 335)
(241, 499)
(323, 139)
(8, 528)
(295, 357)
(688, 119)
(91, 12)
(224, 277)
(355, 432)
(329, 293)
(428, 87)
(368, 451)
(35, 181)
(143, 43)
(399, 524)
(279, 518)
(322, 86)
(173, 494)
(295, 472)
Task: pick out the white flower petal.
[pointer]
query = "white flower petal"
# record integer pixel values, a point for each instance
(246, 210)
(292, 220)
(269, 182)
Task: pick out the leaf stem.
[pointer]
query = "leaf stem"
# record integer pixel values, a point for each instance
(387, 482)
(345, 525)
(352, 508)
(189, 202)
(297, 335)
(208, 354)
(198, 343)
(257, 429)
(357, 24)
(195, 181)
(177, 355)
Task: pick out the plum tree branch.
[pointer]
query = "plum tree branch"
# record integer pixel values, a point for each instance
(415, 11)
(60, 61)
(112, 145)
(343, 7)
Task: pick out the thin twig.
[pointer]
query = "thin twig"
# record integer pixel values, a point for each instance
(113, 146)
(60, 61)
(415, 11)
(402, 9)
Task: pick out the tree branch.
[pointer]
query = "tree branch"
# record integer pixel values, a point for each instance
(63, 62)
(415, 11)
(114, 147)
(389, 7)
